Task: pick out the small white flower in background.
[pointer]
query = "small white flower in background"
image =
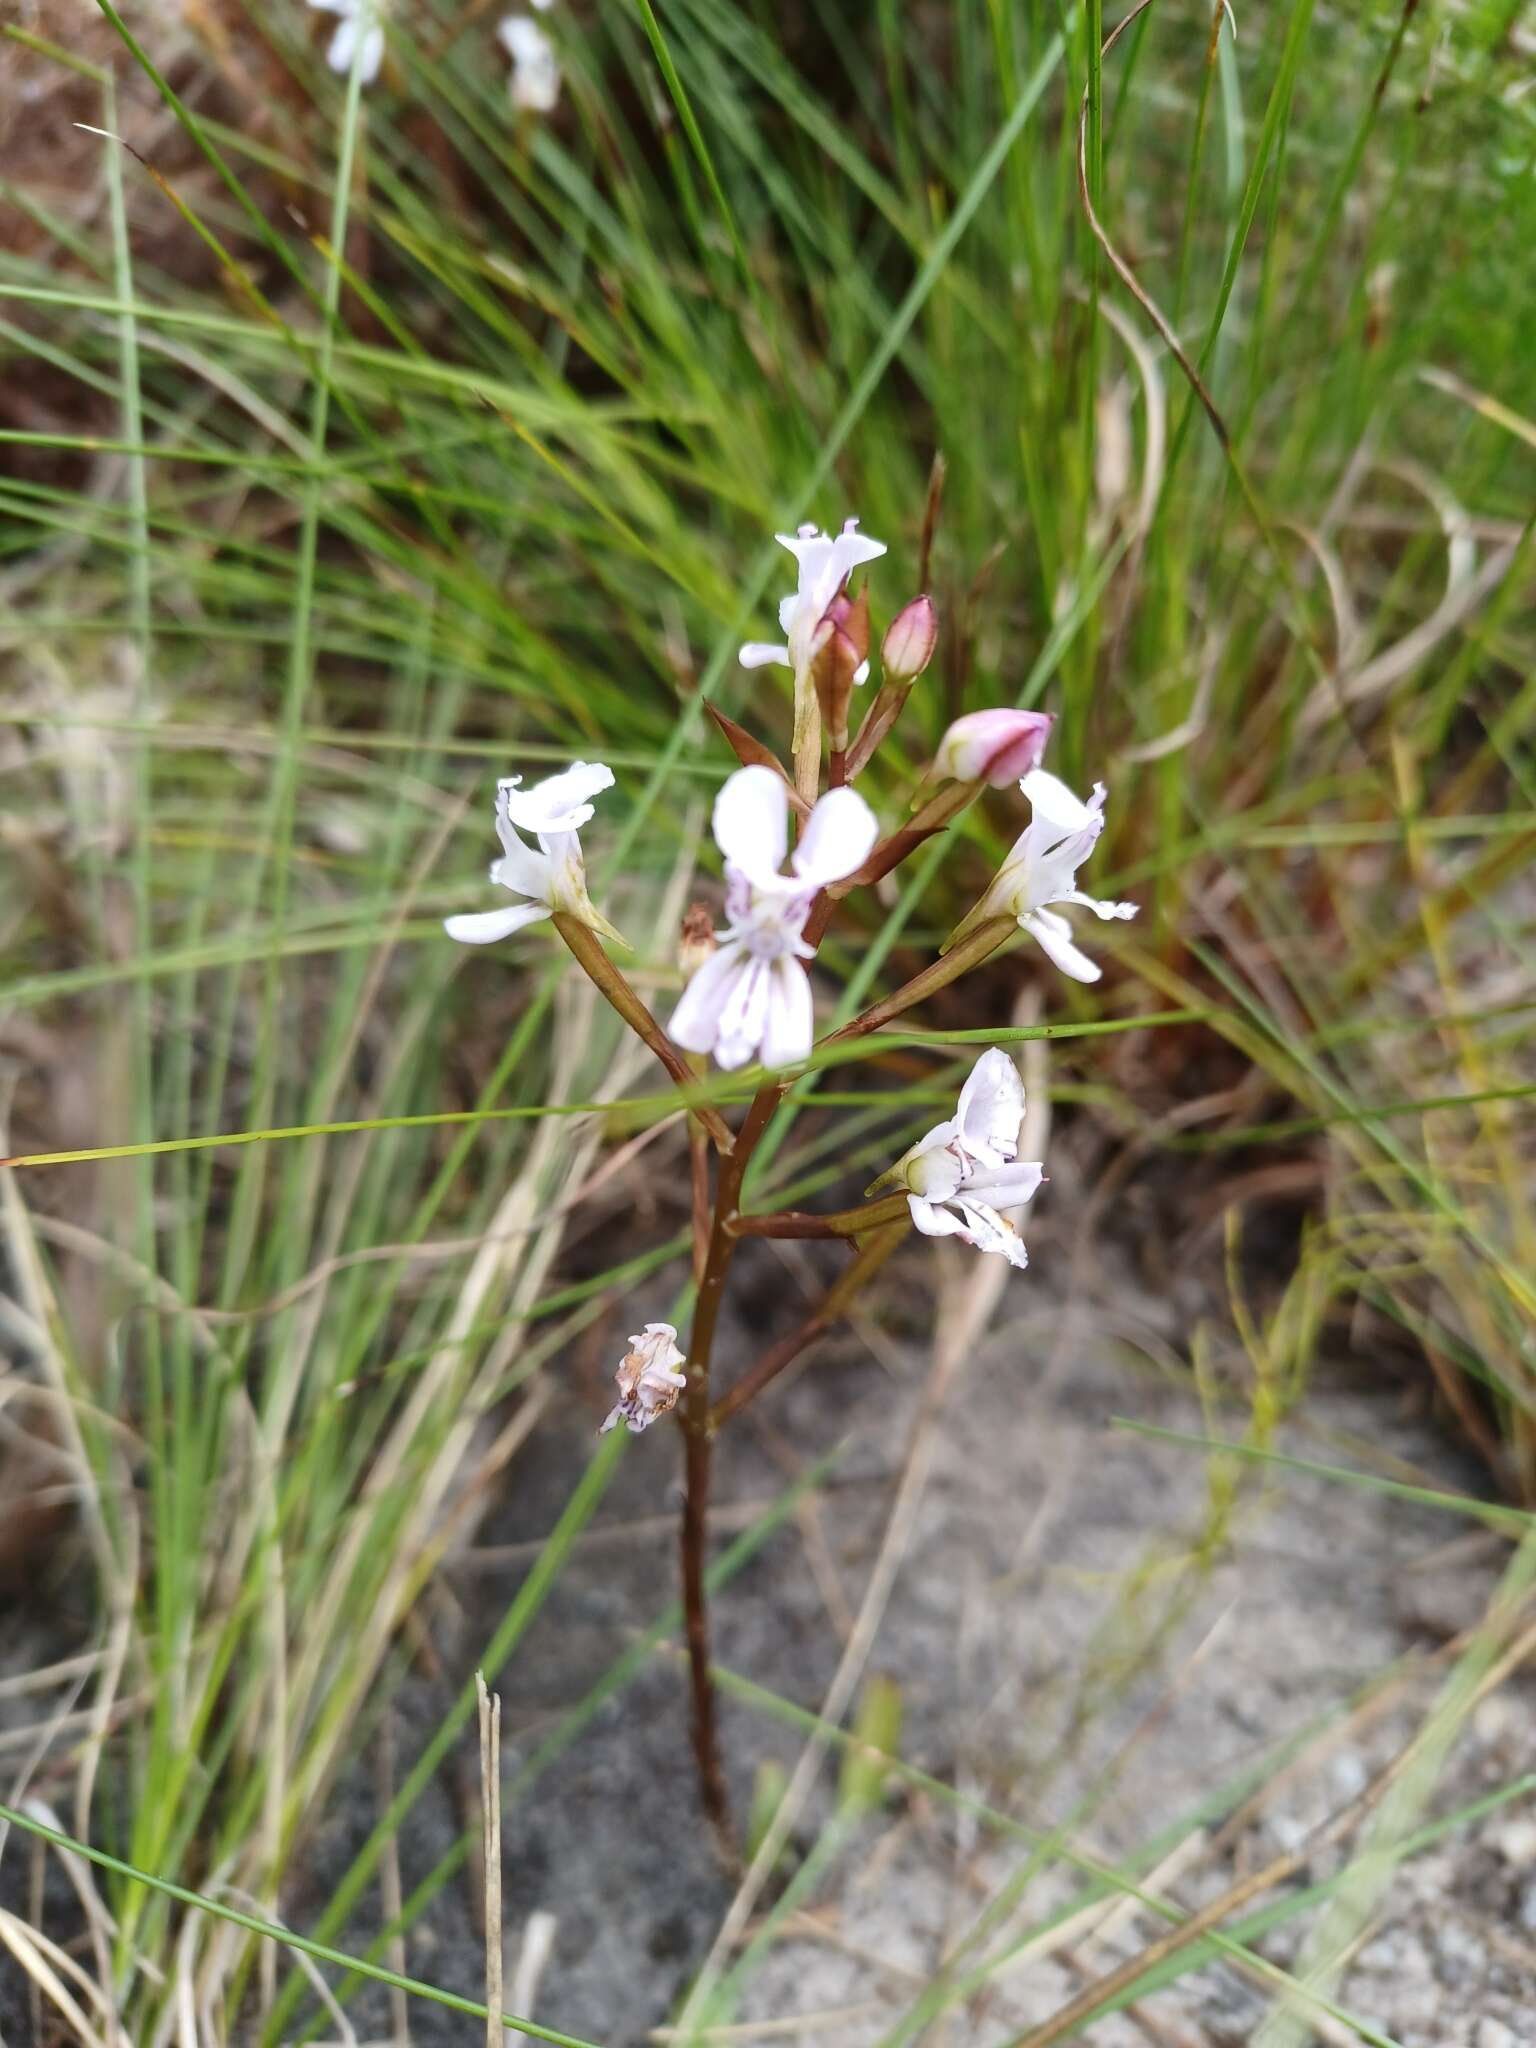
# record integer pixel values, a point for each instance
(1042, 870)
(753, 996)
(554, 878)
(960, 1176)
(359, 18)
(535, 80)
(825, 564)
(650, 1379)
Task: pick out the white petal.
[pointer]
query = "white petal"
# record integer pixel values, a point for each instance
(1053, 801)
(989, 1233)
(811, 548)
(372, 57)
(751, 822)
(695, 1022)
(560, 803)
(343, 43)
(485, 927)
(519, 869)
(759, 653)
(1055, 935)
(1006, 1187)
(852, 549)
(861, 674)
(332, 6)
(933, 1221)
(744, 1014)
(838, 837)
(934, 1167)
(790, 1026)
(991, 1107)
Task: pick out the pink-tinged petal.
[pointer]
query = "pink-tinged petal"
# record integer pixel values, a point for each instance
(560, 803)
(760, 653)
(1055, 935)
(790, 1027)
(751, 822)
(838, 838)
(744, 1014)
(995, 747)
(485, 927)
(989, 1232)
(991, 1108)
(695, 1022)
(933, 1221)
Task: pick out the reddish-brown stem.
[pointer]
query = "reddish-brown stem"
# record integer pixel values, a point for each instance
(698, 1175)
(872, 1255)
(841, 1223)
(698, 1446)
(612, 983)
(693, 1413)
(837, 767)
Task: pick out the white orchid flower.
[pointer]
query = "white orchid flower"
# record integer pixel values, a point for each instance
(649, 1379)
(1041, 870)
(553, 878)
(535, 81)
(825, 565)
(964, 1172)
(359, 20)
(753, 996)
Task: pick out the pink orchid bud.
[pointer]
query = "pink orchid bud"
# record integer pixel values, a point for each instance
(909, 641)
(851, 616)
(997, 747)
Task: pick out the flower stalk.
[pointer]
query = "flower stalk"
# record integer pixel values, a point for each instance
(748, 996)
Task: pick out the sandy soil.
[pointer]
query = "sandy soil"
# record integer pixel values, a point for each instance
(1063, 1655)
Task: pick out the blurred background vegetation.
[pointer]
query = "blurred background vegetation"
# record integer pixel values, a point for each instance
(360, 446)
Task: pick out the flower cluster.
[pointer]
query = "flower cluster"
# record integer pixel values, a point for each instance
(965, 1172)
(533, 84)
(747, 993)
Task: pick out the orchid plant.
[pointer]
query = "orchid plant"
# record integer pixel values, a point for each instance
(748, 994)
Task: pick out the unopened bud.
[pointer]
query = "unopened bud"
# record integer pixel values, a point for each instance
(997, 747)
(909, 641)
(835, 666)
(851, 616)
(696, 941)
